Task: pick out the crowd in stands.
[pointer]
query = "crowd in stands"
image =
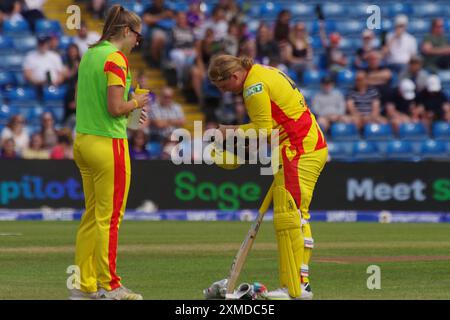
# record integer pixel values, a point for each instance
(396, 75)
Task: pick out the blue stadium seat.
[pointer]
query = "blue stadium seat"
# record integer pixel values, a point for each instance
(309, 94)
(346, 78)
(356, 10)
(375, 131)
(32, 114)
(344, 132)
(16, 28)
(210, 90)
(444, 75)
(330, 26)
(6, 79)
(427, 10)
(419, 26)
(339, 151)
(434, 150)
(413, 131)
(350, 27)
(154, 148)
(333, 10)
(301, 10)
(312, 77)
(6, 45)
(21, 96)
(399, 8)
(48, 27)
(64, 42)
(11, 62)
(19, 78)
(24, 44)
(54, 94)
(399, 150)
(441, 130)
(366, 151)
(270, 9)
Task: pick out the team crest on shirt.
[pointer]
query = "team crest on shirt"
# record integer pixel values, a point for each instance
(254, 89)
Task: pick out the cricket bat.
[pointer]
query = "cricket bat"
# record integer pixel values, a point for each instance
(246, 245)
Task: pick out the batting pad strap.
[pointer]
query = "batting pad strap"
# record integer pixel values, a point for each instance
(304, 221)
(304, 271)
(309, 243)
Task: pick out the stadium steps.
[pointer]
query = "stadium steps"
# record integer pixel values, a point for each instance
(56, 10)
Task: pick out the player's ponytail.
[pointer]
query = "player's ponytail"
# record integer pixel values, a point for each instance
(117, 18)
(222, 66)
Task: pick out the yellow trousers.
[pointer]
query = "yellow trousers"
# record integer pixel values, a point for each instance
(298, 173)
(104, 164)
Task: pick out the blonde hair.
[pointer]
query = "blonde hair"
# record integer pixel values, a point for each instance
(222, 66)
(117, 18)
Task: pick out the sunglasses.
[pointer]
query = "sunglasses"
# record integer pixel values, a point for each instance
(139, 36)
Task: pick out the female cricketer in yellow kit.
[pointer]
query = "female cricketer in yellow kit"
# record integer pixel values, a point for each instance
(101, 154)
(274, 102)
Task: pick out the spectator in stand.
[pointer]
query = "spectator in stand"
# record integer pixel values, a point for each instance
(16, 130)
(33, 11)
(217, 23)
(329, 105)
(9, 150)
(335, 57)
(182, 53)
(48, 130)
(416, 73)
(297, 53)
(12, 10)
(71, 62)
(97, 8)
(363, 102)
(63, 149)
(137, 145)
(36, 148)
(400, 45)
(2, 17)
(231, 40)
(152, 17)
(281, 31)
(231, 9)
(43, 66)
(401, 106)
(434, 101)
(205, 49)
(195, 16)
(266, 47)
(70, 107)
(85, 38)
(368, 45)
(435, 47)
(165, 116)
(378, 75)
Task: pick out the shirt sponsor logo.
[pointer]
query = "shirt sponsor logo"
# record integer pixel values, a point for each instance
(254, 89)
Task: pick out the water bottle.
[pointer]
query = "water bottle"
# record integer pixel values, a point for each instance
(135, 115)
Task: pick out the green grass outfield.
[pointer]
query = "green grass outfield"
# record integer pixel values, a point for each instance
(176, 260)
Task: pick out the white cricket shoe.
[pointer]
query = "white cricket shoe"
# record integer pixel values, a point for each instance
(76, 294)
(120, 293)
(306, 292)
(283, 294)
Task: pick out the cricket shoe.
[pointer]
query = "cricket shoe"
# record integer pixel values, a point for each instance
(76, 294)
(120, 293)
(283, 294)
(306, 292)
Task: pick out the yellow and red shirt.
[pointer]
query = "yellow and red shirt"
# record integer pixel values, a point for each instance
(273, 101)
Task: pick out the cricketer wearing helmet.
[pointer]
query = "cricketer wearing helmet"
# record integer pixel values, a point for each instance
(274, 102)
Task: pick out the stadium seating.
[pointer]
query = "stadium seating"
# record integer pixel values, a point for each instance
(378, 132)
(344, 132)
(398, 150)
(46, 27)
(345, 78)
(7, 112)
(6, 79)
(339, 151)
(154, 148)
(366, 151)
(21, 96)
(11, 62)
(16, 28)
(413, 131)
(434, 150)
(441, 130)
(6, 45)
(25, 43)
(54, 95)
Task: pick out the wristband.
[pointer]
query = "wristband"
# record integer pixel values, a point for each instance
(136, 104)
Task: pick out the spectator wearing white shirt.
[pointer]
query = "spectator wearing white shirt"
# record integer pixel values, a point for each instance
(43, 66)
(85, 38)
(217, 23)
(12, 10)
(16, 130)
(400, 45)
